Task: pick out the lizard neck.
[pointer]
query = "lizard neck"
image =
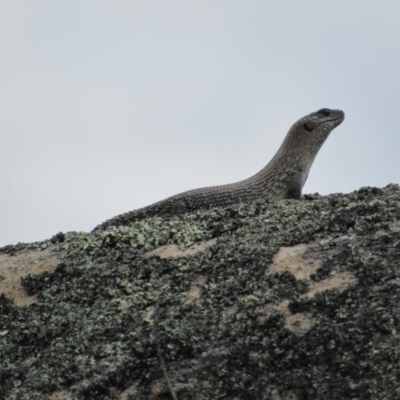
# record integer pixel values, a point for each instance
(287, 172)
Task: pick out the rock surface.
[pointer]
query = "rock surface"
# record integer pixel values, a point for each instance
(291, 300)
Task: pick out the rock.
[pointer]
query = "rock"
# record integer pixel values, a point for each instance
(289, 300)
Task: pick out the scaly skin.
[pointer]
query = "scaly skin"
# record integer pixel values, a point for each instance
(282, 178)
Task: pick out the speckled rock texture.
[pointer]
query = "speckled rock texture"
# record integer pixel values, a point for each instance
(289, 300)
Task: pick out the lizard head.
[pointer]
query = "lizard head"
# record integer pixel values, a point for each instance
(324, 120)
(308, 134)
(302, 143)
(311, 131)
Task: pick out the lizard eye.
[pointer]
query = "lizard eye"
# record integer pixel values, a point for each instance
(324, 112)
(308, 126)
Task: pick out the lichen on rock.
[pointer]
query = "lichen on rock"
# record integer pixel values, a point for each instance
(287, 300)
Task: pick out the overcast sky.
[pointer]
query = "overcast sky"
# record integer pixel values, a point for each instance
(108, 106)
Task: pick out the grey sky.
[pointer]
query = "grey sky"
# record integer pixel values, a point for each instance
(108, 106)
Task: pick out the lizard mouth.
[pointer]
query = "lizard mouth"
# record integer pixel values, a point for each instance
(337, 117)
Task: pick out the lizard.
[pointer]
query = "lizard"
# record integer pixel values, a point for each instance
(282, 178)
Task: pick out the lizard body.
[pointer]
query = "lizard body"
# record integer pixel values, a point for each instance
(283, 177)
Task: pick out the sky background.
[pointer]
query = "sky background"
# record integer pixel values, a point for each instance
(108, 106)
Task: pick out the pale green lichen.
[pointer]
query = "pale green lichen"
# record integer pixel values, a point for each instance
(103, 310)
